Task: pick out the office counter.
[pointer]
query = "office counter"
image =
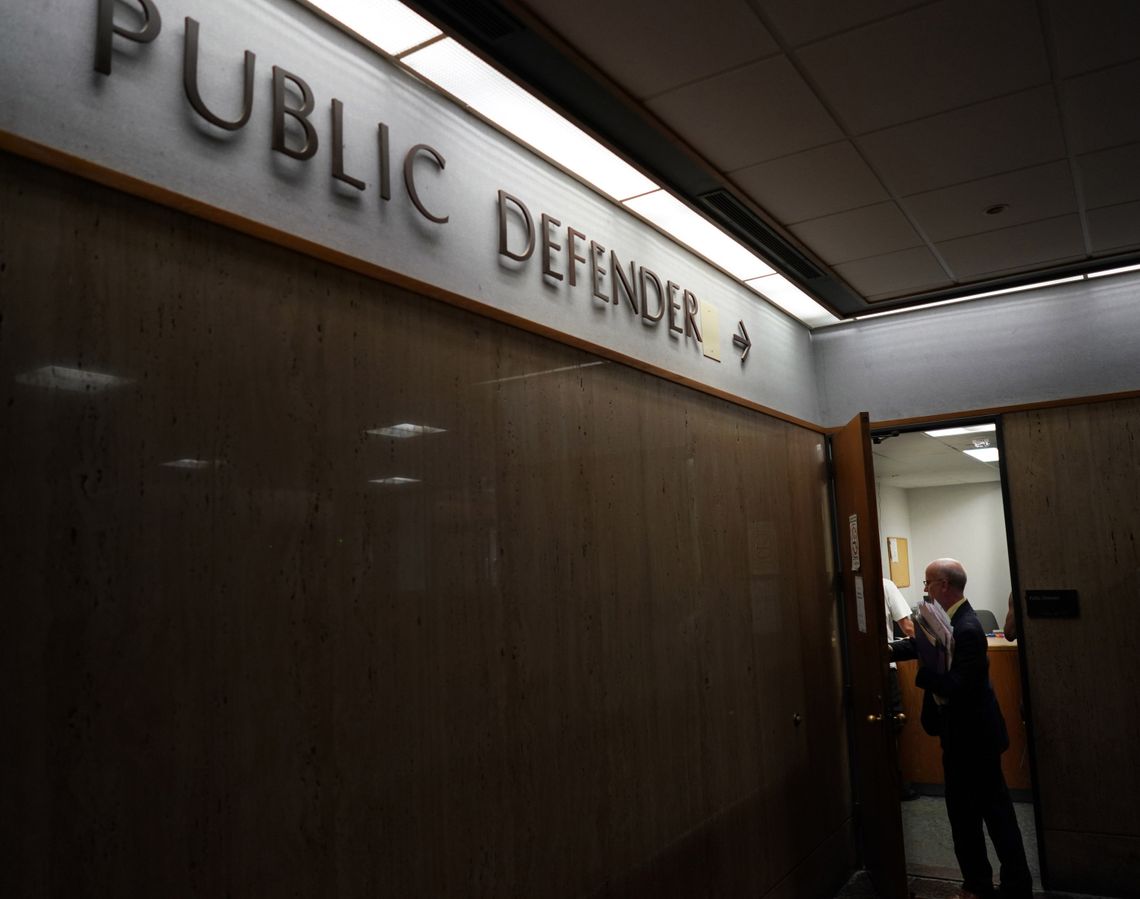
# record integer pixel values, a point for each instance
(920, 755)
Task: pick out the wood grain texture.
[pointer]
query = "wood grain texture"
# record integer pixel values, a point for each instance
(1075, 504)
(565, 660)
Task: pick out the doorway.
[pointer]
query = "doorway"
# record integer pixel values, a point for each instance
(939, 492)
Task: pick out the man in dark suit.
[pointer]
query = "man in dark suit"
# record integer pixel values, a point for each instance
(959, 707)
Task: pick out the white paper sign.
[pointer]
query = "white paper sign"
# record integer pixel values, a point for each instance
(853, 526)
(860, 608)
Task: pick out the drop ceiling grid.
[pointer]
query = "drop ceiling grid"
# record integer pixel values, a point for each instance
(879, 132)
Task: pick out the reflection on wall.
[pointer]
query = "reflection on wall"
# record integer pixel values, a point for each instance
(319, 587)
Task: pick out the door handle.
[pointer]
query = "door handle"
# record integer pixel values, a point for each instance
(900, 717)
(874, 719)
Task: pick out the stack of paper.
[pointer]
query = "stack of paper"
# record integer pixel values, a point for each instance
(933, 637)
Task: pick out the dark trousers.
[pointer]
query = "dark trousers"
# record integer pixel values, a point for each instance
(976, 793)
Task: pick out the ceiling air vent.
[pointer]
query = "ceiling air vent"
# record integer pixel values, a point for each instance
(733, 214)
(487, 20)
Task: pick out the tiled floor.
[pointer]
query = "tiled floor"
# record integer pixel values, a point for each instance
(930, 850)
(859, 887)
(931, 867)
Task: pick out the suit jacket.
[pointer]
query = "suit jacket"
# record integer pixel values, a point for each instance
(970, 720)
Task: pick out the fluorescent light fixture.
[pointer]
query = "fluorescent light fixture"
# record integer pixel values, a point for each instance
(394, 481)
(957, 432)
(76, 380)
(404, 430)
(192, 464)
(388, 24)
(781, 292)
(974, 296)
(1113, 271)
(989, 454)
(491, 94)
(698, 234)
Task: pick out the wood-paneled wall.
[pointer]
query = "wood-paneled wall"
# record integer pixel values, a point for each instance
(564, 661)
(1075, 502)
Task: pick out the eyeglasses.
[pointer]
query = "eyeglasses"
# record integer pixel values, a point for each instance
(935, 581)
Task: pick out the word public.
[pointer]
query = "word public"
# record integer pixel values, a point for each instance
(565, 254)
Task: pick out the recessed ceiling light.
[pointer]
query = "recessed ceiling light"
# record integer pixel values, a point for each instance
(699, 234)
(781, 292)
(60, 377)
(404, 430)
(388, 24)
(394, 481)
(956, 432)
(984, 455)
(490, 93)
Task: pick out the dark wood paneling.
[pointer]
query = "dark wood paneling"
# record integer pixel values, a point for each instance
(1113, 859)
(1075, 504)
(571, 652)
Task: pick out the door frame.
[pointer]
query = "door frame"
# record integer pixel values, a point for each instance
(926, 424)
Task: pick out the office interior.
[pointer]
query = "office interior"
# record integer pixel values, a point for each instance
(935, 500)
(324, 578)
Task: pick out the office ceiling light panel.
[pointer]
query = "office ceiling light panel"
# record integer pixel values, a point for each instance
(957, 432)
(388, 24)
(675, 218)
(464, 75)
(783, 293)
(989, 454)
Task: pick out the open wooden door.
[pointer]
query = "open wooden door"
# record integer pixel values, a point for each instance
(875, 774)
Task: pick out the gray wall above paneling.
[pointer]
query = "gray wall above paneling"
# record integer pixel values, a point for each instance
(1070, 340)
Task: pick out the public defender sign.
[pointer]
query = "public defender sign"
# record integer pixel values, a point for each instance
(269, 114)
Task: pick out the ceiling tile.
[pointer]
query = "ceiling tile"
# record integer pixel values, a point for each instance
(811, 184)
(1092, 34)
(928, 60)
(1103, 109)
(1009, 133)
(1110, 176)
(906, 271)
(802, 21)
(1115, 227)
(783, 116)
(1045, 191)
(649, 46)
(870, 231)
(1024, 246)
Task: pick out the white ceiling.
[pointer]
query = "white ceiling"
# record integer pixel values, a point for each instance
(914, 459)
(877, 133)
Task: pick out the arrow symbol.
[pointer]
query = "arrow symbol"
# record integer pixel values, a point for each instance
(741, 340)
